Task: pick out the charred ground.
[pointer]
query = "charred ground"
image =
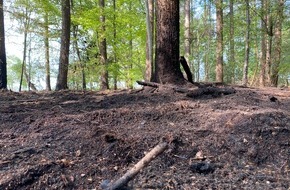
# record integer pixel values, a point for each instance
(76, 140)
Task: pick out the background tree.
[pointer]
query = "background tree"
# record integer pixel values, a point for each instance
(231, 71)
(103, 48)
(277, 47)
(187, 36)
(247, 45)
(167, 57)
(219, 47)
(3, 64)
(64, 49)
(125, 34)
(149, 40)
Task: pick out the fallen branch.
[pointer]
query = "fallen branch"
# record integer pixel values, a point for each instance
(152, 84)
(214, 91)
(136, 169)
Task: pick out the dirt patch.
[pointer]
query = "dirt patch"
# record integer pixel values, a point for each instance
(76, 140)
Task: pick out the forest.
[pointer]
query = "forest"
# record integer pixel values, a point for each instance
(153, 94)
(112, 43)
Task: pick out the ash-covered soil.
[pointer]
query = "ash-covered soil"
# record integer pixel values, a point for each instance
(76, 140)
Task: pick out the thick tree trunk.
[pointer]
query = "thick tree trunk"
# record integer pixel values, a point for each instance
(103, 49)
(247, 45)
(3, 64)
(219, 47)
(167, 58)
(64, 47)
(277, 44)
(149, 40)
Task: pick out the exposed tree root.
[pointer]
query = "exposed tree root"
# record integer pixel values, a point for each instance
(197, 90)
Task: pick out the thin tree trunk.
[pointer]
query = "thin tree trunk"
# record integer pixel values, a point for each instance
(46, 47)
(232, 64)
(23, 68)
(269, 41)
(129, 78)
(255, 78)
(64, 47)
(207, 22)
(247, 45)
(219, 47)
(187, 39)
(103, 49)
(77, 49)
(3, 61)
(277, 43)
(263, 45)
(81, 63)
(149, 39)
(115, 73)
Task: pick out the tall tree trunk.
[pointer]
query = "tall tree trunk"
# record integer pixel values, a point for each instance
(46, 46)
(167, 58)
(77, 49)
(269, 41)
(232, 64)
(219, 47)
(115, 72)
(263, 62)
(23, 67)
(187, 37)
(247, 45)
(64, 47)
(277, 43)
(3, 63)
(103, 49)
(207, 22)
(149, 40)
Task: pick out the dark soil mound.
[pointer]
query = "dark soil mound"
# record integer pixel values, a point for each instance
(76, 140)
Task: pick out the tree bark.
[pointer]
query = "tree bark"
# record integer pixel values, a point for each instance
(232, 64)
(167, 58)
(103, 49)
(247, 45)
(219, 47)
(207, 22)
(187, 37)
(64, 47)
(277, 43)
(46, 46)
(3, 62)
(263, 44)
(115, 72)
(149, 40)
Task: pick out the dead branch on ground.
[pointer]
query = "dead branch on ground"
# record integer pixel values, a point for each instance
(137, 168)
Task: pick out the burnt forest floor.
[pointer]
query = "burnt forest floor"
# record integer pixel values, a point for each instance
(80, 140)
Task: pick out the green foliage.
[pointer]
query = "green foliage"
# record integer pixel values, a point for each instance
(125, 35)
(14, 66)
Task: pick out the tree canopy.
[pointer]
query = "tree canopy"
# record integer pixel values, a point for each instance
(122, 26)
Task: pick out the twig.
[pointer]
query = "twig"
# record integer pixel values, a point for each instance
(136, 169)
